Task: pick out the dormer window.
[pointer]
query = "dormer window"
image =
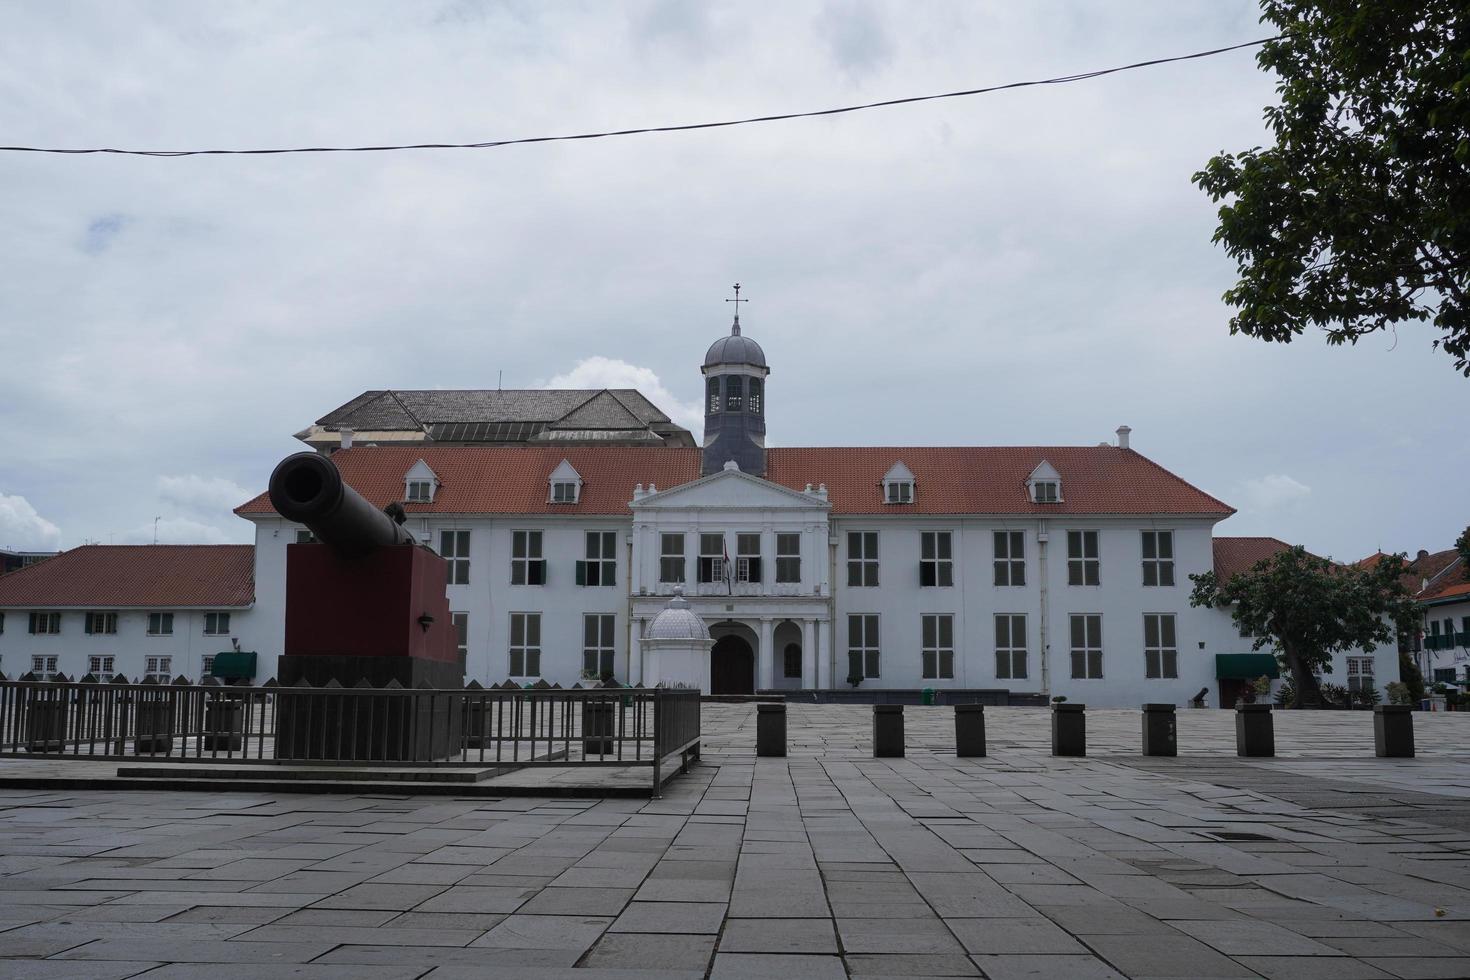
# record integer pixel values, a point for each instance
(898, 485)
(1044, 485)
(420, 484)
(565, 484)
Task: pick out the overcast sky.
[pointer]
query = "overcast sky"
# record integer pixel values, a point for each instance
(1030, 267)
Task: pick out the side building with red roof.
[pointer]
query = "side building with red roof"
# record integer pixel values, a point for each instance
(136, 610)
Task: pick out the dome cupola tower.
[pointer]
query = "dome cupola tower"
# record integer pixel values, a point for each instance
(735, 401)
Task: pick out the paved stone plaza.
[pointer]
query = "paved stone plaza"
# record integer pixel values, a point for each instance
(1324, 862)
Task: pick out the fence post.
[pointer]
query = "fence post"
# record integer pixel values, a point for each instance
(1393, 731)
(770, 730)
(1068, 729)
(658, 747)
(1160, 736)
(1255, 732)
(969, 730)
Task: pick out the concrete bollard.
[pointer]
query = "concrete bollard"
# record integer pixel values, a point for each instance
(224, 725)
(1255, 732)
(153, 733)
(969, 730)
(888, 731)
(1068, 729)
(598, 726)
(770, 730)
(1159, 731)
(1393, 731)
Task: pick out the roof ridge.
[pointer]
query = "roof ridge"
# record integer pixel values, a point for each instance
(406, 410)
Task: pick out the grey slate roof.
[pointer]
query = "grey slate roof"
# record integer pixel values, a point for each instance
(735, 349)
(415, 409)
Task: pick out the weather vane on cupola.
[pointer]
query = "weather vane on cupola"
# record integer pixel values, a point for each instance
(735, 328)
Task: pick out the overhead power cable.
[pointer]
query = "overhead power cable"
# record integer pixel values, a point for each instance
(491, 144)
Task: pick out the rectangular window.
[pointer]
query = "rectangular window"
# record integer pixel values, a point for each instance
(1010, 647)
(900, 492)
(671, 558)
(1360, 673)
(1046, 491)
(1010, 558)
(48, 623)
(747, 557)
(862, 559)
(1160, 651)
(714, 395)
(420, 491)
(862, 647)
(461, 623)
(564, 492)
(788, 558)
(1087, 647)
(792, 660)
(304, 536)
(525, 644)
(101, 667)
(598, 654)
(454, 548)
(600, 567)
(527, 567)
(160, 624)
(938, 646)
(936, 560)
(102, 623)
(1082, 558)
(711, 558)
(216, 624)
(1158, 557)
(45, 667)
(754, 401)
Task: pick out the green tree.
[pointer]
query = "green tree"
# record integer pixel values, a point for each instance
(1309, 608)
(1358, 218)
(1462, 545)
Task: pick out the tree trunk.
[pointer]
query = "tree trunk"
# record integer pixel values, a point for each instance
(1307, 693)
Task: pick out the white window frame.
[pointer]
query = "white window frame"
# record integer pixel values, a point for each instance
(600, 561)
(528, 650)
(220, 621)
(454, 548)
(1160, 646)
(565, 492)
(788, 562)
(936, 656)
(101, 623)
(599, 644)
(45, 623)
(865, 643)
(862, 564)
(1091, 649)
(1010, 559)
(898, 491)
(160, 624)
(711, 564)
(748, 564)
(102, 665)
(672, 565)
(1046, 491)
(1356, 673)
(418, 491)
(1009, 629)
(1162, 567)
(936, 559)
(534, 558)
(1082, 559)
(45, 665)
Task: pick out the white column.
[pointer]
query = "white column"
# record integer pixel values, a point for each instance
(635, 661)
(765, 658)
(809, 658)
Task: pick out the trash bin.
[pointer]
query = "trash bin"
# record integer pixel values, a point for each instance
(888, 731)
(598, 725)
(1159, 732)
(928, 695)
(1255, 731)
(1068, 729)
(224, 725)
(1393, 731)
(770, 730)
(969, 730)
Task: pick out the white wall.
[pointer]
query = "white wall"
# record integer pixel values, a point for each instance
(129, 647)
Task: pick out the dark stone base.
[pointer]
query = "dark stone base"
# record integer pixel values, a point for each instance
(1255, 732)
(330, 725)
(1069, 729)
(1160, 736)
(888, 731)
(1393, 731)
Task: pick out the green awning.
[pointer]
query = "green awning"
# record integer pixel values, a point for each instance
(1245, 666)
(234, 663)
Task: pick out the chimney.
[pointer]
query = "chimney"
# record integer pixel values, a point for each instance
(1422, 555)
(1123, 431)
(346, 435)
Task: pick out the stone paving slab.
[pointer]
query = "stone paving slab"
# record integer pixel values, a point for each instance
(1323, 862)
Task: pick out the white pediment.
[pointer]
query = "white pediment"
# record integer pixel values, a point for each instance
(898, 473)
(420, 471)
(731, 490)
(1043, 471)
(565, 472)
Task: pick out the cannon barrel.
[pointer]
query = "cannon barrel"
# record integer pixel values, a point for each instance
(307, 488)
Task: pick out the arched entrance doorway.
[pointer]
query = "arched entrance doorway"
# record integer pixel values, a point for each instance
(731, 666)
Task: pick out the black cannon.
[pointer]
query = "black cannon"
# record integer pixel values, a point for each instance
(365, 607)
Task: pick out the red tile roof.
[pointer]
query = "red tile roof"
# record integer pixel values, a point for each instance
(1451, 582)
(1236, 555)
(1438, 569)
(949, 480)
(102, 576)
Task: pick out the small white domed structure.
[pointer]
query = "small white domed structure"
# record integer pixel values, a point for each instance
(676, 647)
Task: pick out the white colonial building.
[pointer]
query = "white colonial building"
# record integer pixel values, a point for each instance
(1040, 571)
